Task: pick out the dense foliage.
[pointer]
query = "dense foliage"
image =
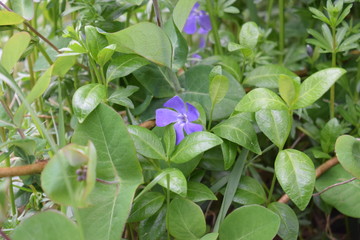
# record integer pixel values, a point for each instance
(179, 119)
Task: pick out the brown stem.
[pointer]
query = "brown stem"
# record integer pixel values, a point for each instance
(3, 235)
(157, 13)
(334, 185)
(23, 170)
(148, 124)
(319, 171)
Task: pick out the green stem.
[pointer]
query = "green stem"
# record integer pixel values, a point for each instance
(96, 70)
(333, 64)
(61, 123)
(268, 13)
(44, 53)
(271, 189)
(281, 31)
(215, 31)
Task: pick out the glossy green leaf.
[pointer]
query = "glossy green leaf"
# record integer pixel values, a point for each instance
(239, 130)
(329, 133)
(40, 86)
(193, 145)
(258, 99)
(249, 191)
(95, 41)
(120, 96)
(182, 11)
(296, 174)
(198, 192)
(289, 224)
(147, 143)
(154, 227)
(267, 76)
(229, 150)
(177, 179)
(347, 150)
(251, 222)
(169, 139)
(10, 18)
(344, 198)
(13, 49)
(218, 88)
(275, 124)
(24, 8)
(146, 206)
(249, 35)
(145, 39)
(117, 161)
(54, 225)
(316, 85)
(105, 54)
(185, 220)
(63, 64)
(86, 99)
(289, 89)
(123, 65)
(59, 178)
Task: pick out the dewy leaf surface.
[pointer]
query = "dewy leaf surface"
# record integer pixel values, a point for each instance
(116, 161)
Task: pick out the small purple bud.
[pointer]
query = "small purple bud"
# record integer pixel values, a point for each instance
(309, 50)
(79, 172)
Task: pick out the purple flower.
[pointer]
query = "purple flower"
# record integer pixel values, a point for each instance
(182, 117)
(198, 21)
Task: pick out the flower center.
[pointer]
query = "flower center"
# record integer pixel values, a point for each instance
(182, 118)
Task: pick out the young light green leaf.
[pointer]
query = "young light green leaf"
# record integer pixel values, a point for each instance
(193, 145)
(217, 70)
(13, 49)
(147, 143)
(347, 150)
(258, 99)
(316, 85)
(63, 64)
(218, 88)
(198, 192)
(296, 174)
(145, 39)
(249, 35)
(289, 89)
(251, 222)
(10, 18)
(86, 99)
(289, 224)
(105, 54)
(146, 206)
(192, 225)
(239, 130)
(177, 179)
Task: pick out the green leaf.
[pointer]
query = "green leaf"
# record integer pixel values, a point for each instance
(111, 203)
(344, 198)
(275, 124)
(54, 225)
(193, 145)
(288, 88)
(249, 35)
(59, 178)
(154, 227)
(267, 76)
(145, 39)
(4, 200)
(258, 99)
(347, 150)
(120, 96)
(296, 174)
(146, 206)
(319, 15)
(210, 236)
(178, 182)
(147, 143)
(239, 130)
(40, 86)
(24, 8)
(216, 71)
(198, 192)
(316, 85)
(182, 11)
(13, 49)
(289, 224)
(123, 65)
(185, 220)
(169, 139)
(105, 54)
(95, 41)
(229, 150)
(249, 191)
(219, 86)
(63, 64)
(329, 133)
(87, 98)
(10, 18)
(251, 222)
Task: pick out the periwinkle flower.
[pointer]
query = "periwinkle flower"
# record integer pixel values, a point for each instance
(198, 21)
(183, 116)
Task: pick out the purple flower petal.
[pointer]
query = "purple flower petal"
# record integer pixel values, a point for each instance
(190, 25)
(192, 127)
(165, 116)
(192, 113)
(176, 103)
(204, 22)
(179, 129)
(202, 42)
(196, 6)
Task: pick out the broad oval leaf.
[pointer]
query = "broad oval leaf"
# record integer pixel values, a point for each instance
(193, 145)
(185, 220)
(239, 130)
(219, 86)
(198, 192)
(296, 174)
(10, 18)
(146, 206)
(147, 143)
(275, 124)
(249, 191)
(145, 39)
(54, 225)
(177, 179)
(251, 222)
(260, 98)
(316, 85)
(344, 198)
(347, 150)
(289, 89)
(289, 224)
(86, 99)
(249, 34)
